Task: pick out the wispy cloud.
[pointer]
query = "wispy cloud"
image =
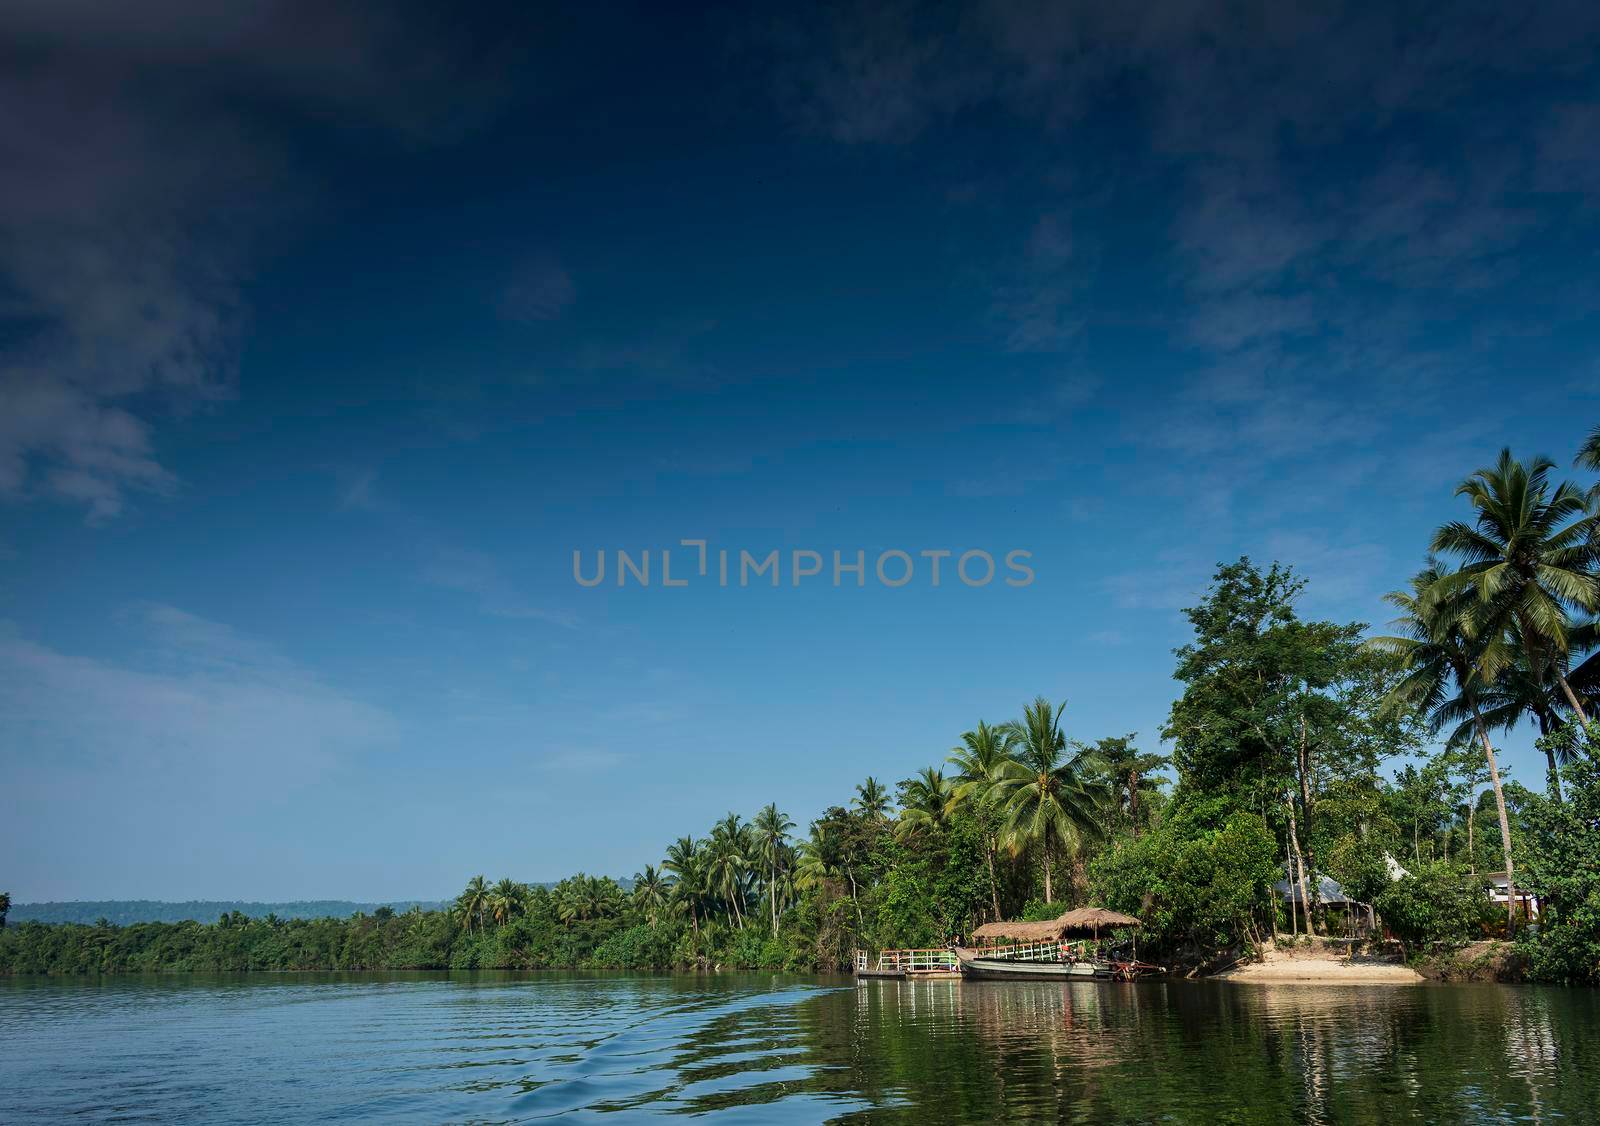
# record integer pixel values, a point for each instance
(201, 698)
(1173, 581)
(540, 290)
(1053, 403)
(581, 760)
(357, 491)
(135, 207)
(477, 574)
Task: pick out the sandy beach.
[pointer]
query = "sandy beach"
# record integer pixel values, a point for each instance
(1320, 965)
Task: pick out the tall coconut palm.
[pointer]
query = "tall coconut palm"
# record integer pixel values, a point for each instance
(1050, 802)
(983, 750)
(686, 860)
(1530, 558)
(925, 802)
(1440, 657)
(651, 889)
(1520, 691)
(730, 861)
(771, 829)
(472, 902)
(872, 800)
(505, 901)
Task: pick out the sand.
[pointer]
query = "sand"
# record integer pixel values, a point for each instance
(1318, 966)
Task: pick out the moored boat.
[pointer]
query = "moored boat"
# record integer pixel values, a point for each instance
(1001, 964)
(1065, 948)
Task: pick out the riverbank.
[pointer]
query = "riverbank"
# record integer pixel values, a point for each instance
(1325, 962)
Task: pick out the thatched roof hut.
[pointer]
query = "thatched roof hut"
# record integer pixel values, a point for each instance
(1095, 919)
(1079, 920)
(1019, 931)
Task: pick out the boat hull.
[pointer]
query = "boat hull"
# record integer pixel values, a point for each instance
(1002, 969)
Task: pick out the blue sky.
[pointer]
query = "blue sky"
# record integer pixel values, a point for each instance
(326, 342)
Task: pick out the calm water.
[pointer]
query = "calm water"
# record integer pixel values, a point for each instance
(772, 1049)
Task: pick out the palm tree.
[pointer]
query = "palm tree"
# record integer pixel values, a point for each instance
(1589, 453)
(771, 830)
(1437, 654)
(582, 897)
(1589, 458)
(925, 802)
(983, 750)
(651, 889)
(1519, 692)
(872, 800)
(1049, 802)
(730, 851)
(811, 868)
(686, 860)
(505, 901)
(1530, 558)
(470, 903)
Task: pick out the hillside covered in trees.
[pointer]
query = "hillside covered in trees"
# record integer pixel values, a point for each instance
(123, 912)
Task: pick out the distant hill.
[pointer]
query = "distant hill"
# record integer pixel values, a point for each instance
(125, 911)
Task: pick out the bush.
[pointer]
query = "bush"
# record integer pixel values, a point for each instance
(1563, 868)
(1437, 903)
(1201, 878)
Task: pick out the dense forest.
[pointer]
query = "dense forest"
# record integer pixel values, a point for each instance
(125, 911)
(1300, 749)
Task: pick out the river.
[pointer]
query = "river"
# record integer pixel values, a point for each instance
(519, 1047)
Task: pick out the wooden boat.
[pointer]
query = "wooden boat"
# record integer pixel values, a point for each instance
(1042, 951)
(1028, 962)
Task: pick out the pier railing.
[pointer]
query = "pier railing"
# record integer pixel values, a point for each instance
(905, 961)
(1047, 951)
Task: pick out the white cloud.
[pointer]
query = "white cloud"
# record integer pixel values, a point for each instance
(201, 698)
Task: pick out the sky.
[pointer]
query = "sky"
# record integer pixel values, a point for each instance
(327, 337)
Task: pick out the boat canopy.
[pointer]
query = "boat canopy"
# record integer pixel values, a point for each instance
(1077, 921)
(1095, 919)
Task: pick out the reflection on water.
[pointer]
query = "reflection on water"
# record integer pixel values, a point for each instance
(764, 1049)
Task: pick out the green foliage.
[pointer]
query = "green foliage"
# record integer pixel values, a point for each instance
(1563, 866)
(1200, 878)
(1252, 675)
(1357, 864)
(1438, 902)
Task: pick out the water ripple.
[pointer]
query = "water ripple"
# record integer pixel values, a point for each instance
(508, 1048)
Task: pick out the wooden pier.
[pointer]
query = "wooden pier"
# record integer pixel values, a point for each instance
(916, 965)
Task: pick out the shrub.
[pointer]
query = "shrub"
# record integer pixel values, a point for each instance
(1437, 903)
(1563, 868)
